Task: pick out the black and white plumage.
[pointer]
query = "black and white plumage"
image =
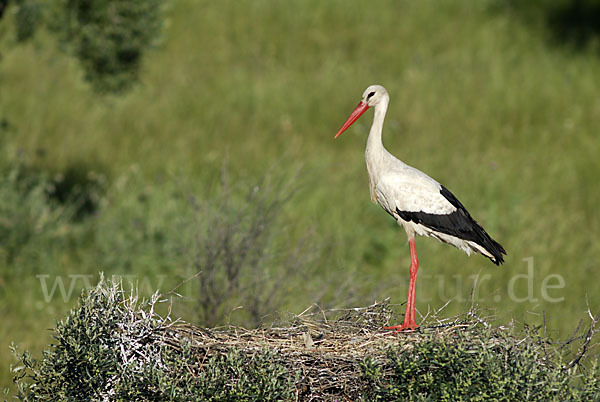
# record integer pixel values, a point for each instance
(419, 203)
(457, 228)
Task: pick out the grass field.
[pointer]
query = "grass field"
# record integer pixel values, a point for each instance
(484, 99)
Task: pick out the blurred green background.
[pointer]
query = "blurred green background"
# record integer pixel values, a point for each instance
(200, 159)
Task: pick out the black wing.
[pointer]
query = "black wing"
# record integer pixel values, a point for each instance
(458, 224)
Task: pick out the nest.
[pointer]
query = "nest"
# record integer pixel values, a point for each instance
(327, 347)
(115, 347)
(322, 353)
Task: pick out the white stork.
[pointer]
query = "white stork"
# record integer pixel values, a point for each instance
(417, 202)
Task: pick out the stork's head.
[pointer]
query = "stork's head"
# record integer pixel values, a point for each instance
(372, 96)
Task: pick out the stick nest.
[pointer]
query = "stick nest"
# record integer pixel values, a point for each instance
(327, 347)
(114, 346)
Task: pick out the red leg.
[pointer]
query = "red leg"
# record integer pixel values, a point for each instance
(409, 315)
(414, 267)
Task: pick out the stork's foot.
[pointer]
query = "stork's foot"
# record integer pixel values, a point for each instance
(406, 326)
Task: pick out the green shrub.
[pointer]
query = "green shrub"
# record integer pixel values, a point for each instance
(29, 220)
(108, 37)
(114, 347)
(228, 243)
(484, 365)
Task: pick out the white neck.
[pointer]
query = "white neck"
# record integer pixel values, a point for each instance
(377, 126)
(375, 152)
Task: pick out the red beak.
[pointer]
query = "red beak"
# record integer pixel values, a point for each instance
(360, 109)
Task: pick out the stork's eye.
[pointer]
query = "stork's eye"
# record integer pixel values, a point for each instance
(370, 94)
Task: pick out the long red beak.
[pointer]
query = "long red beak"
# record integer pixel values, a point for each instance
(360, 109)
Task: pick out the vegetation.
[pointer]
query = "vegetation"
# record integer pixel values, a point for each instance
(114, 347)
(494, 99)
(108, 37)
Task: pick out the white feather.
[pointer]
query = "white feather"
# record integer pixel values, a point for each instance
(397, 186)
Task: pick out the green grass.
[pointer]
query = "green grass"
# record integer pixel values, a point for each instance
(481, 100)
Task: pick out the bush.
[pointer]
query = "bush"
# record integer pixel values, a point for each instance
(108, 37)
(241, 251)
(29, 220)
(479, 365)
(41, 214)
(114, 347)
(223, 246)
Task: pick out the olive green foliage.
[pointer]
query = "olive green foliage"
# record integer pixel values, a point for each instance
(28, 220)
(112, 346)
(240, 252)
(486, 365)
(40, 212)
(28, 16)
(223, 249)
(230, 377)
(108, 37)
(85, 356)
(570, 22)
